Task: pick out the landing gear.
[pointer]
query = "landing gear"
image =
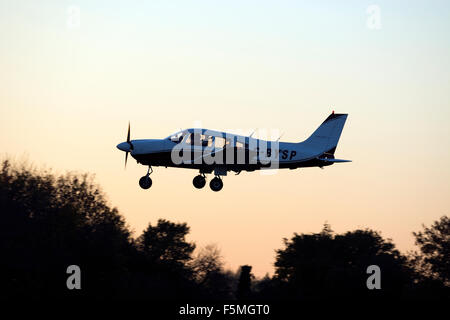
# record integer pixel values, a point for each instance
(199, 181)
(146, 182)
(216, 184)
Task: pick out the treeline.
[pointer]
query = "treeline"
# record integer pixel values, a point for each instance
(49, 222)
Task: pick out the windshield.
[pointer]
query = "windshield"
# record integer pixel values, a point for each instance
(177, 137)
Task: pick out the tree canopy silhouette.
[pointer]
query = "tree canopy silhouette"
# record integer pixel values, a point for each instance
(209, 272)
(166, 243)
(325, 265)
(434, 244)
(49, 222)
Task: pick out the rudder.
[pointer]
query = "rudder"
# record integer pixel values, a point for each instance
(326, 136)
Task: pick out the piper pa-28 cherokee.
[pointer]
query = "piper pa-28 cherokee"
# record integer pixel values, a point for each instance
(219, 152)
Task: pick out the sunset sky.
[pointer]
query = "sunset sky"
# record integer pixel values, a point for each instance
(68, 90)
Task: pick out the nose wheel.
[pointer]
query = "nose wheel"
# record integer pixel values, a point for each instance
(216, 184)
(146, 182)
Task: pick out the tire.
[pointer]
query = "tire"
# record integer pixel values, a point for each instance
(145, 182)
(199, 181)
(216, 184)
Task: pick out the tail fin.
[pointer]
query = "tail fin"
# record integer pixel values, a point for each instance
(326, 137)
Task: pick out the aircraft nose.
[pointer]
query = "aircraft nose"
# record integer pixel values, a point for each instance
(124, 146)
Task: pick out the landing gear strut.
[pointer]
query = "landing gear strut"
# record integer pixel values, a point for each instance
(199, 181)
(146, 182)
(216, 184)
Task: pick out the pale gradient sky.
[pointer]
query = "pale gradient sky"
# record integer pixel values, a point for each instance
(67, 94)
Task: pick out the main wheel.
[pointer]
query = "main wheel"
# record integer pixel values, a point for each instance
(216, 184)
(145, 182)
(199, 181)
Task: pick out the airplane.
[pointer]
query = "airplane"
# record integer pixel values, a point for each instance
(220, 152)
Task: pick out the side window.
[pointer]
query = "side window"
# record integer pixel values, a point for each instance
(196, 139)
(220, 142)
(207, 141)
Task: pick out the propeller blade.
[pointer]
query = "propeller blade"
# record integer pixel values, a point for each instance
(128, 135)
(126, 159)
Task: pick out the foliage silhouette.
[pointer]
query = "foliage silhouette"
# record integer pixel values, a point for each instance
(432, 263)
(209, 272)
(207, 262)
(325, 265)
(245, 283)
(434, 244)
(165, 244)
(49, 221)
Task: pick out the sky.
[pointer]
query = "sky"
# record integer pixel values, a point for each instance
(73, 73)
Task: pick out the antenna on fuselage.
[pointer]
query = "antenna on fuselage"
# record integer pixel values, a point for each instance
(280, 137)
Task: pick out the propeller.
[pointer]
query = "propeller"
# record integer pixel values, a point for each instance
(129, 142)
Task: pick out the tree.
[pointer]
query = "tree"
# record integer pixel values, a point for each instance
(207, 262)
(245, 283)
(49, 222)
(434, 244)
(327, 265)
(164, 262)
(166, 244)
(207, 266)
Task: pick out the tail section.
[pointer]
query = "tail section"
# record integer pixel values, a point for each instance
(326, 137)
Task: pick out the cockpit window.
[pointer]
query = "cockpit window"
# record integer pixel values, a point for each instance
(222, 142)
(197, 139)
(177, 137)
(207, 141)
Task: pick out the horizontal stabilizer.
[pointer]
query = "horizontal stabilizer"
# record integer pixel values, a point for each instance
(334, 160)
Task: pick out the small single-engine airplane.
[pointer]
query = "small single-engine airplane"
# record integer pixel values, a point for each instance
(219, 152)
